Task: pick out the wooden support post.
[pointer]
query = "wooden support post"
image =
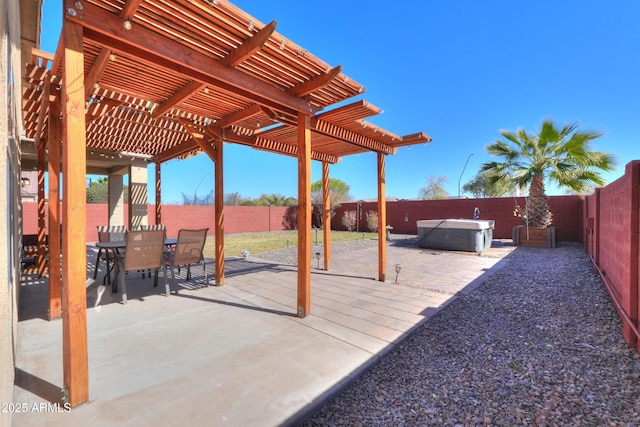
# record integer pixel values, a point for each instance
(158, 193)
(74, 166)
(219, 209)
(41, 255)
(304, 215)
(382, 220)
(215, 154)
(53, 141)
(326, 215)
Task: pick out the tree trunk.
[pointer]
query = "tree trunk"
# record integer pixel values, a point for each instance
(538, 214)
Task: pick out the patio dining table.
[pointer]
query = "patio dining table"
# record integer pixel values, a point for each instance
(116, 246)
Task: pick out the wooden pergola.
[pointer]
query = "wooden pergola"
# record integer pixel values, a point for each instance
(171, 79)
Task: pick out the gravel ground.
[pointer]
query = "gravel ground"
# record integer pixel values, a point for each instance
(538, 344)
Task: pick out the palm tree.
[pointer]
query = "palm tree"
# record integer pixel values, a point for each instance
(562, 156)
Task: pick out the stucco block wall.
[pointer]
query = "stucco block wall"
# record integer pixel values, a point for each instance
(612, 221)
(238, 219)
(403, 214)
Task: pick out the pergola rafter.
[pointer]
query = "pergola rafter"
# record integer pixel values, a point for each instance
(96, 71)
(250, 46)
(104, 29)
(236, 117)
(318, 82)
(184, 93)
(198, 137)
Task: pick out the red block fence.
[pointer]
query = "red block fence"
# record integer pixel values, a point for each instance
(238, 219)
(612, 220)
(403, 214)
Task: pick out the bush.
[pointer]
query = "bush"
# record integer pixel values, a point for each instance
(349, 220)
(372, 221)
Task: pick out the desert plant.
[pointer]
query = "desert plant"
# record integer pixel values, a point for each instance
(372, 221)
(349, 219)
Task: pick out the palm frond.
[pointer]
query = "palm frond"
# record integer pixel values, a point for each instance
(561, 154)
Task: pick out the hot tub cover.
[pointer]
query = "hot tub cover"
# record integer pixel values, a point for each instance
(467, 224)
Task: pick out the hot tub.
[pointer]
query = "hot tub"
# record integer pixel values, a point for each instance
(455, 234)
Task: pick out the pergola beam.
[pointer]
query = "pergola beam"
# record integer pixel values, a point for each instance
(103, 28)
(266, 144)
(250, 46)
(339, 133)
(130, 8)
(236, 116)
(176, 151)
(177, 98)
(414, 138)
(351, 137)
(318, 82)
(96, 71)
(198, 138)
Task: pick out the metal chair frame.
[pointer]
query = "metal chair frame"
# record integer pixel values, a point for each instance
(188, 251)
(144, 250)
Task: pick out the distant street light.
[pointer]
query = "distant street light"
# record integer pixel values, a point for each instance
(459, 179)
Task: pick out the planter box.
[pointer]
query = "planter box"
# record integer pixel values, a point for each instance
(534, 236)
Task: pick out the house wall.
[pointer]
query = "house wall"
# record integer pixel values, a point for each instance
(15, 40)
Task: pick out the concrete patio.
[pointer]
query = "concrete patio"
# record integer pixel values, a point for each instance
(234, 355)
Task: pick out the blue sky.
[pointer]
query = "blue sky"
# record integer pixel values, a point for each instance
(459, 71)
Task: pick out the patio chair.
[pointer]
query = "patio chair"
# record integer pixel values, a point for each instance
(144, 250)
(188, 251)
(108, 233)
(152, 227)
